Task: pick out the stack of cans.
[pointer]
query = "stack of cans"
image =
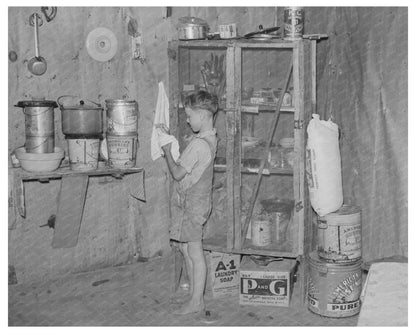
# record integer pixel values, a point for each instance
(122, 136)
(334, 283)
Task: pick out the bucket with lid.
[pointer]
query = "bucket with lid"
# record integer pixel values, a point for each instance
(122, 150)
(39, 125)
(83, 117)
(334, 290)
(83, 152)
(122, 116)
(339, 235)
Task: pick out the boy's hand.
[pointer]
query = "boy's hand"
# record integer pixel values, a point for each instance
(167, 147)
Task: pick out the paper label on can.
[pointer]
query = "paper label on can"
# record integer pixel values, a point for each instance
(293, 22)
(228, 30)
(313, 302)
(347, 290)
(121, 148)
(340, 242)
(345, 307)
(313, 291)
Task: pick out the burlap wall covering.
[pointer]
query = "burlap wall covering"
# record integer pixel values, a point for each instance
(362, 84)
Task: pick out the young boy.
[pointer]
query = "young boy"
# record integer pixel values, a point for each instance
(192, 194)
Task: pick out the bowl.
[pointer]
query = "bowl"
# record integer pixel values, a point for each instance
(249, 141)
(43, 162)
(287, 142)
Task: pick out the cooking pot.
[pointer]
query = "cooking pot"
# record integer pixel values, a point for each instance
(192, 28)
(81, 118)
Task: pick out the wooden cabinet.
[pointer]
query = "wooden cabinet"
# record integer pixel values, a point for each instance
(254, 116)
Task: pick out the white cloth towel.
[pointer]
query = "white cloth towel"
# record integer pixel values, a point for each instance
(160, 138)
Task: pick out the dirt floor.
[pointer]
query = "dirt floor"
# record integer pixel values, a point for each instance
(140, 295)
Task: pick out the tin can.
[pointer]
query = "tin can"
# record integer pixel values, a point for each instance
(294, 18)
(334, 290)
(122, 116)
(228, 31)
(261, 233)
(339, 235)
(122, 150)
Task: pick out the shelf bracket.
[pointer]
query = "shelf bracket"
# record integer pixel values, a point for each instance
(298, 124)
(298, 206)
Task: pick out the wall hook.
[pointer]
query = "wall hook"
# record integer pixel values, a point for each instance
(49, 12)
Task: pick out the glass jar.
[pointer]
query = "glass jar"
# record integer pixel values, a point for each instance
(278, 158)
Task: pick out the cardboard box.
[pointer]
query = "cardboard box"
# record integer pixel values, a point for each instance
(270, 285)
(223, 274)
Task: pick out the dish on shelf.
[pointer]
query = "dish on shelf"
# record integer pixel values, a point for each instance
(42, 162)
(249, 141)
(263, 260)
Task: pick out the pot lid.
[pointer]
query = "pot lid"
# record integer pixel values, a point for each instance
(191, 21)
(120, 101)
(265, 33)
(36, 102)
(82, 106)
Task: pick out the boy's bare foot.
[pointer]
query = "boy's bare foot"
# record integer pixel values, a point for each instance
(180, 299)
(190, 307)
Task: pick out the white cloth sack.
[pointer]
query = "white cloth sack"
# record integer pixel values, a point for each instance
(159, 138)
(323, 166)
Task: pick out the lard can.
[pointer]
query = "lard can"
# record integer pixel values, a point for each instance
(339, 235)
(334, 290)
(293, 18)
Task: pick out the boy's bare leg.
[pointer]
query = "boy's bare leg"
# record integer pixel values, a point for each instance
(180, 297)
(188, 265)
(196, 303)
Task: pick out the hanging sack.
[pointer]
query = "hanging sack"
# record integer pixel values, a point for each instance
(323, 166)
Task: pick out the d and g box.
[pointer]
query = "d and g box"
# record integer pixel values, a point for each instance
(222, 277)
(266, 285)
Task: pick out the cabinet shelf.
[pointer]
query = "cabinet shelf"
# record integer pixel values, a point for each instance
(64, 171)
(219, 243)
(241, 42)
(251, 165)
(247, 170)
(255, 109)
(265, 108)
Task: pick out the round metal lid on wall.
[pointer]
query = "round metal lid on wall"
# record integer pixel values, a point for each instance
(101, 44)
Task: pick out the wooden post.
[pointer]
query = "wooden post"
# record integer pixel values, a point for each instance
(237, 149)
(229, 149)
(313, 75)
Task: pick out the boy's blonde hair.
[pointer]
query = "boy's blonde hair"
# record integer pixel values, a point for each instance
(202, 100)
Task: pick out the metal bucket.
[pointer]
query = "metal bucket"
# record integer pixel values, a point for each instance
(339, 235)
(122, 117)
(83, 152)
(334, 290)
(39, 125)
(122, 150)
(82, 118)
